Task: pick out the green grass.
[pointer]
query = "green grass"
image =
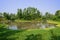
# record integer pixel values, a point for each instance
(6, 34)
(27, 20)
(54, 22)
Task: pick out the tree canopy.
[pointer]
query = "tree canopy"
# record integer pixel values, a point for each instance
(31, 13)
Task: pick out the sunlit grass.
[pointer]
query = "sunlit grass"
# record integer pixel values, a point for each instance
(54, 22)
(38, 20)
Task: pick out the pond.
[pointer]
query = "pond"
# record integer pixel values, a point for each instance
(30, 25)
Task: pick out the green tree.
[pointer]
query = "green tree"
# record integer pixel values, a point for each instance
(1, 17)
(31, 13)
(19, 14)
(57, 14)
(12, 17)
(6, 15)
(49, 16)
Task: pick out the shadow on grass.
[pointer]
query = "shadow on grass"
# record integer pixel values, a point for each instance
(5, 33)
(34, 37)
(54, 36)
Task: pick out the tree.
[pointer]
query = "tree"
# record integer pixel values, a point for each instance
(57, 14)
(49, 16)
(12, 17)
(19, 14)
(28, 13)
(1, 17)
(32, 13)
(38, 14)
(6, 15)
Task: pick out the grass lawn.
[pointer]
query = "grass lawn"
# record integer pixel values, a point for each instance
(27, 20)
(22, 34)
(54, 22)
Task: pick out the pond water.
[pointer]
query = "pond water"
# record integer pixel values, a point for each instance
(30, 25)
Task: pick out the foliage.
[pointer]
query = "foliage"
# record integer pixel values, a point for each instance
(31, 13)
(57, 14)
(19, 14)
(12, 17)
(6, 15)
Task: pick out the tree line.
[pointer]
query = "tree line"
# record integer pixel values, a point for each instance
(31, 13)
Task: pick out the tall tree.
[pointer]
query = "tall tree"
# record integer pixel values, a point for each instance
(19, 13)
(48, 15)
(1, 17)
(57, 14)
(6, 15)
(12, 17)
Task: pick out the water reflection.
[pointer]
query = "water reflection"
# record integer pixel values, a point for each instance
(13, 27)
(30, 25)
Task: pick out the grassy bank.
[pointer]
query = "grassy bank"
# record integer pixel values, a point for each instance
(54, 22)
(27, 20)
(29, 34)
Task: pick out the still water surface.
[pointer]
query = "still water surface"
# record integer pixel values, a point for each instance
(30, 25)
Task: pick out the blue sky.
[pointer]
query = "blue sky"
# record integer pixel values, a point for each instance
(11, 6)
